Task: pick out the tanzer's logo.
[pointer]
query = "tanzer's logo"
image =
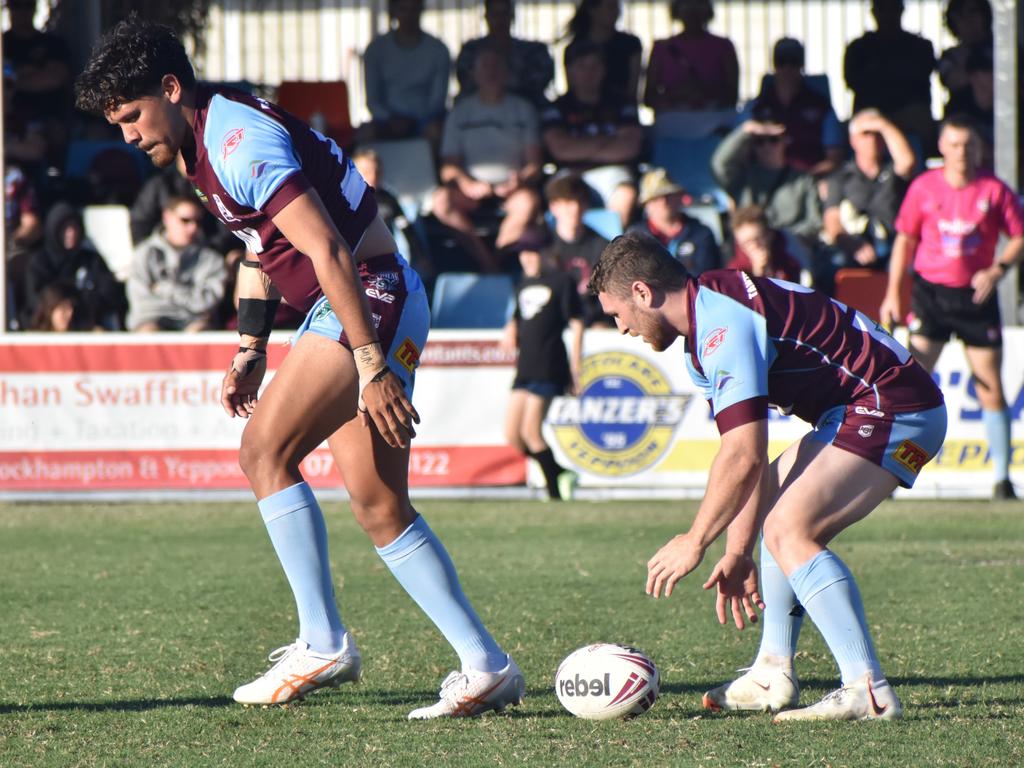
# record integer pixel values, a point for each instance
(624, 418)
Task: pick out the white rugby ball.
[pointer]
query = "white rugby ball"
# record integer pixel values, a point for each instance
(606, 680)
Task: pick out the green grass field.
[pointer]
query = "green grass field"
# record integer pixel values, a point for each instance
(126, 627)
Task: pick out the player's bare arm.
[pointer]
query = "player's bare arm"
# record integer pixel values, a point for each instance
(307, 226)
(735, 574)
(739, 464)
(258, 300)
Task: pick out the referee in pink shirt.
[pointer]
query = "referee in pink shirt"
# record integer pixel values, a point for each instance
(948, 227)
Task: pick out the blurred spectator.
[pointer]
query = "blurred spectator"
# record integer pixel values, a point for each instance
(970, 21)
(595, 22)
(977, 101)
(546, 304)
(42, 72)
(176, 282)
(693, 77)
(816, 141)
(864, 196)
(761, 250)
(687, 239)
(750, 164)
(890, 70)
(490, 160)
(529, 66)
(406, 73)
(24, 232)
(24, 137)
(367, 162)
(596, 136)
(574, 246)
(67, 258)
(56, 309)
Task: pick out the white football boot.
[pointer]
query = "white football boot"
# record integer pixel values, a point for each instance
(471, 693)
(862, 699)
(298, 671)
(770, 684)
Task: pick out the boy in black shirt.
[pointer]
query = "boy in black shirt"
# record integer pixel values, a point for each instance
(546, 303)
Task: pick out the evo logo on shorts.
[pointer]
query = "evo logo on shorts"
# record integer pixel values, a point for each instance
(911, 455)
(408, 354)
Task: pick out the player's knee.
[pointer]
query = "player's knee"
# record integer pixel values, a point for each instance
(378, 516)
(257, 455)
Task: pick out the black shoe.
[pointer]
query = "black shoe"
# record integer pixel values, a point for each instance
(1003, 491)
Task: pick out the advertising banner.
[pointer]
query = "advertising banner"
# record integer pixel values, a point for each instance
(90, 412)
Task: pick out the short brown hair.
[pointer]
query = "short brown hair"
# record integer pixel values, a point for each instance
(749, 214)
(567, 186)
(636, 256)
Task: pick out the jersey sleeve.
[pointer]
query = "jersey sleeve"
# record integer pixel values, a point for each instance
(731, 346)
(253, 156)
(1012, 212)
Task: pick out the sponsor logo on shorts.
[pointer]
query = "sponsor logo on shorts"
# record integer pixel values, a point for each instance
(712, 341)
(910, 455)
(384, 281)
(866, 430)
(322, 311)
(376, 319)
(408, 354)
(624, 419)
(860, 410)
(231, 141)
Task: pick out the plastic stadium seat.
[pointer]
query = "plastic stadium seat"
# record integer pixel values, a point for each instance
(408, 172)
(109, 229)
(864, 289)
(329, 99)
(469, 300)
(688, 161)
(603, 221)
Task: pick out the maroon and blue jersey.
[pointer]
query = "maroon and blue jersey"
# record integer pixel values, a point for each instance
(757, 343)
(251, 160)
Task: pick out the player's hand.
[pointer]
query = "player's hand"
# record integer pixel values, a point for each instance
(865, 255)
(384, 402)
(736, 579)
(671, 563)
(241, 384)
(890, 313)
(984, 283)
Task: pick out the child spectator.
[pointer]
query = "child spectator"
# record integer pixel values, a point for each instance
(547, 303)
(574, 246)
(56, 309)
(761, 250)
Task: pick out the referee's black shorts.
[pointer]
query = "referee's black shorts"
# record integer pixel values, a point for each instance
(940, 311)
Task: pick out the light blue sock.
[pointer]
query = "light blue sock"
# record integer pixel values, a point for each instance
(422, 566)
(297, 530)
(825, 587)
(997, 427)
(783, 615)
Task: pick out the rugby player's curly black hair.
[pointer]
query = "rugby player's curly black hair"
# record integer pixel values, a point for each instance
(129, 62)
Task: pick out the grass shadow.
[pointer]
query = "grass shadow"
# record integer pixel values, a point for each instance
(134, 705)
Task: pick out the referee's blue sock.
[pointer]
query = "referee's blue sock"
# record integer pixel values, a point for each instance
(997, 427)
(783, 615)
(422, 566)
(296, 527)
(825, 587)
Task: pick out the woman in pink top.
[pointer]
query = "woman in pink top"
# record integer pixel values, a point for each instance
(694, 70)
(948, 227)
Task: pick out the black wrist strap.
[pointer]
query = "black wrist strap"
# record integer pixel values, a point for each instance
(252, 263)
(256, 316)
(379, 375)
